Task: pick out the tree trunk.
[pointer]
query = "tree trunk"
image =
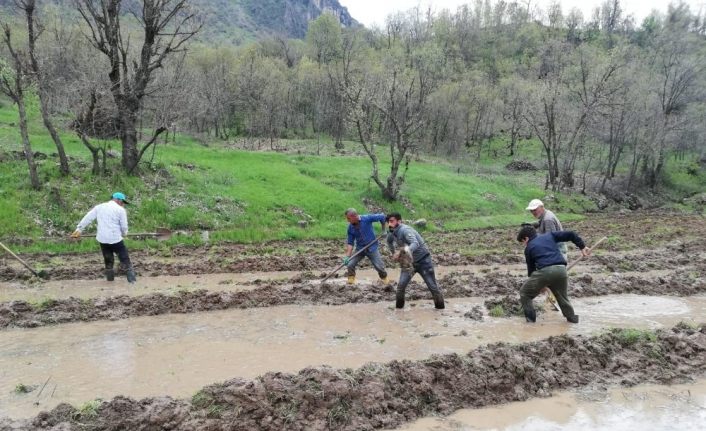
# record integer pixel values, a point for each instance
(33, 177)
(41, 87)
(63, 160)
(129, 137)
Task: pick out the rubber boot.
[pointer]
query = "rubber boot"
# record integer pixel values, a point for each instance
(438, 301)
(399, 302)
(531, 316)
(351, 279)
(131, 277)
(109, 274)
(573, 319)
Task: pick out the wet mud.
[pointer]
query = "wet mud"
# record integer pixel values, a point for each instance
(377, 396)
(178, 354)
(638, 242)
(298, 290)
(305, 289)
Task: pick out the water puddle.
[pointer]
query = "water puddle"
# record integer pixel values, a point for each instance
(649, 407)
(177, 354)
(223, 282)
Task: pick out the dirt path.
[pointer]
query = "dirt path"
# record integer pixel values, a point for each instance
(389, 394)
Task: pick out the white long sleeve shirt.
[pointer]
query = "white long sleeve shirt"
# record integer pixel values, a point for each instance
(112, 222)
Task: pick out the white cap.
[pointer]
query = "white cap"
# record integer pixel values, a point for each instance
(534, 204)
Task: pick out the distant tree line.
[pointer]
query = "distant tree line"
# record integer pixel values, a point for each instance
(600, 93)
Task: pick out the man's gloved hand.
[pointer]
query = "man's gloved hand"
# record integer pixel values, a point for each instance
(407, 250)
(346, 260)
(76, 234)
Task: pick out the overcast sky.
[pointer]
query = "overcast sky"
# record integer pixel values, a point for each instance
(371, 12)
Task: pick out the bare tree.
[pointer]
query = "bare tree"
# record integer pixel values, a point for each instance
(34, 29)
(166, 25)
(13, 82)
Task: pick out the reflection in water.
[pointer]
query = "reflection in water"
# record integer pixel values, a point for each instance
(648, 407)
(177, 354)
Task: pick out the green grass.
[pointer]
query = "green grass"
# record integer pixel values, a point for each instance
(21, 388)
(249, 196)
(629, 336)
(497, 311)
(90, 409)
(242, 196)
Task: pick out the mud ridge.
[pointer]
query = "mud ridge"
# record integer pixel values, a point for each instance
(455, 285)
(387, 395)
(674, 240)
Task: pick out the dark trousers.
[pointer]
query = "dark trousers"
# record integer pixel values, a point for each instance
(109, 250)
(556, 279)
(425, 268)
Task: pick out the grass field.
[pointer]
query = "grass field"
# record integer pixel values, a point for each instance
(254, 196)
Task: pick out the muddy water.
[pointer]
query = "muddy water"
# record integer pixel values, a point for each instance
(649, 407)
(62, 289)
(178, 354)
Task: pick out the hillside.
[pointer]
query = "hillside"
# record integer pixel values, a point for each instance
(254, 196)
(239, 21)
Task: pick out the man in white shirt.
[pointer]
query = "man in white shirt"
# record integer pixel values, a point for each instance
(112, 227)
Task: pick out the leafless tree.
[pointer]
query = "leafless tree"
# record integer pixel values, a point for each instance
(34, 29)
(166, 26)
(14, 81)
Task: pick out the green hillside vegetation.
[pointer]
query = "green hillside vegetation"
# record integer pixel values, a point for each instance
(249, 196)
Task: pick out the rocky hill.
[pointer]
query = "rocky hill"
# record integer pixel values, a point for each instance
(238, 21)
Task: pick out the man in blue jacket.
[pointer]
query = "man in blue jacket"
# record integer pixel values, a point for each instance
(360, 234)
(546, 267)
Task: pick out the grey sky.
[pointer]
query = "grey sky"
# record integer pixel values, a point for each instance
(371, 12)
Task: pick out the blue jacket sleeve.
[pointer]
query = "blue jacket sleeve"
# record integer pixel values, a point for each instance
(351, 239)
(376, 217)
(568, 235)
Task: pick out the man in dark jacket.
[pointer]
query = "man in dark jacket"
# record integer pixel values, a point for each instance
(414, 257)
(546, 267)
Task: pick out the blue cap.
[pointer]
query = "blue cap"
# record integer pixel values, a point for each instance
(118, 195)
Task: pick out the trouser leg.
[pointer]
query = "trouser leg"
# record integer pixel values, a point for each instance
(564, 250)
(352, 264)
(558, 281)
(378, 264)
(123, 254)
(124, 257)
(108, 260)
(529, 290)
(405, 277)
(426, 269)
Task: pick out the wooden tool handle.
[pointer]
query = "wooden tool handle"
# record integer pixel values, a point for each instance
(581, 257)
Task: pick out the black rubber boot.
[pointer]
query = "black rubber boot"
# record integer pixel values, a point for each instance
(531, 316)
(573, 319)
(438, 301)
(399, 303)
(109, 274)
(131, 277)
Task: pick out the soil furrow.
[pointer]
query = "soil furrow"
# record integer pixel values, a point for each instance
(386, 395)
(454, 285)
